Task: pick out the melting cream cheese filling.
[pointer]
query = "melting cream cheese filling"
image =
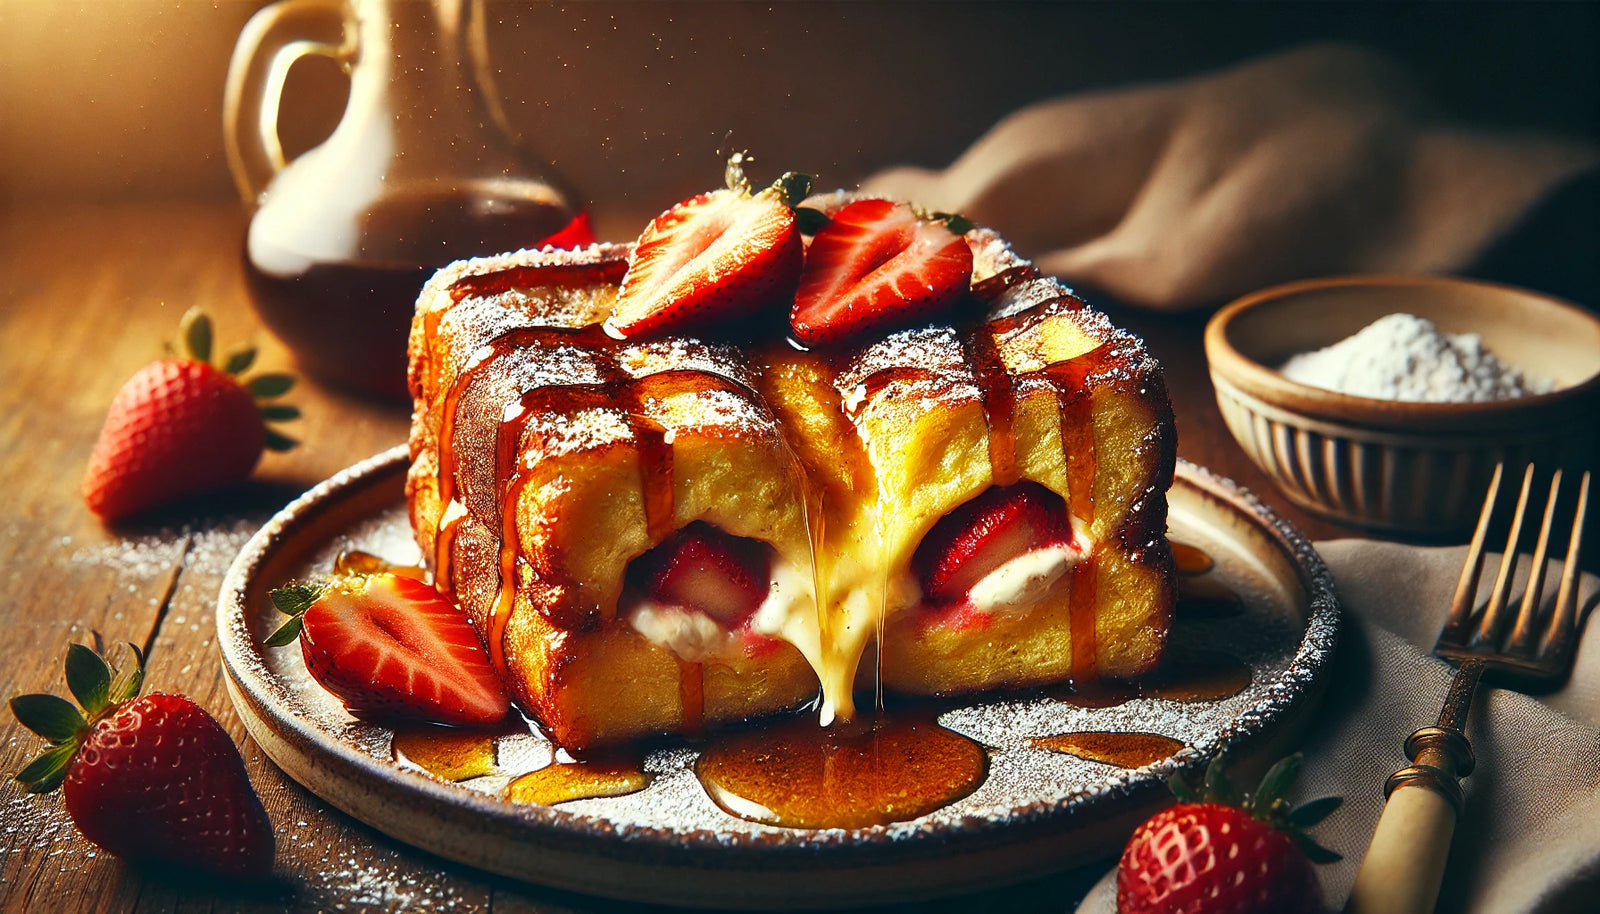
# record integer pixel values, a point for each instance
(1019, 584)
(833, 634)
(788, 613)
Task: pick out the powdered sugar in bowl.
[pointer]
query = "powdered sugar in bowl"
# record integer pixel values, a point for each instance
(1405, 466)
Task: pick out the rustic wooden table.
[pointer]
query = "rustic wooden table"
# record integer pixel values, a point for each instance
(87, 295)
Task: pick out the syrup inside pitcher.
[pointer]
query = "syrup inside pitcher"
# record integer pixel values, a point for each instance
(421, 170)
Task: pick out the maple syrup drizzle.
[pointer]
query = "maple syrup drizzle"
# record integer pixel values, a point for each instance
(1124, 750)
(1190, 560)
(505, 598)
(508, 448)
(607, 270)
(564, 781)
(1069, 379)
(1074, 406)
(356, 561)
(431, 319)
(1185, 675)
(998, 398)
(444, 542)
(505, 344)
(455, 755)
(850, 775)
(655, 452)
(1082, 615)
(649, 437)
(692, 695)
(991, 288)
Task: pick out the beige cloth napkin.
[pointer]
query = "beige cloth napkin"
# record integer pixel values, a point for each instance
(1529, 837)
(1323, 159)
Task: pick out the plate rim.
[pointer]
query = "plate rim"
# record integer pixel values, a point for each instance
(852, 848)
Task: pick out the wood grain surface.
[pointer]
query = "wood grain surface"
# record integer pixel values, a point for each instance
(88, 294)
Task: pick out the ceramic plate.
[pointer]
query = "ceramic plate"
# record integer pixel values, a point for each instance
(1037, 811)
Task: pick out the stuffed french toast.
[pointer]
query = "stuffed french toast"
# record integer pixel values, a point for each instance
(660, 514)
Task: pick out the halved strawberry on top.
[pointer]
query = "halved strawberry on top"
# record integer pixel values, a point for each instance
(879, 266)
(974, 540)
(714, 256)
(390, 647)
(702, 568)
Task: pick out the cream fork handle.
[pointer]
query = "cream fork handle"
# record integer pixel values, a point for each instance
(1405, 863)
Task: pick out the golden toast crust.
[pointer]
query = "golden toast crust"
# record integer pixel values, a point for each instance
(548, 455)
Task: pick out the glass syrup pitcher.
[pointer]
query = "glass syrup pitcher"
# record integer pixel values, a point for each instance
(422, 169)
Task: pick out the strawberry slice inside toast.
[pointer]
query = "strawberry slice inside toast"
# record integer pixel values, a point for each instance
(701, 568)
(975, 540)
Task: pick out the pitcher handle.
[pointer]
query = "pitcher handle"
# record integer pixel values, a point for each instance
(271, 43)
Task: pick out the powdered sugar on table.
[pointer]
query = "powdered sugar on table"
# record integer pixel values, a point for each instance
(1405, 357)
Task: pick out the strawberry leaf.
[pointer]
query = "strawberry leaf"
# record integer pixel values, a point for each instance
(955, 222)
(286, 632)
(45, 773)
(279, 442)
(129, 679)
(88, 677)
(733, 175)
(1274, 784)
(1314, 852)
(794, 186)
(810, 221)
(1182, 789)
(265, 386)
(53, 718)
(1311, 812)
(1218, 788)
(195, 330)
(279, 412)
(295, 598)
(240, 361)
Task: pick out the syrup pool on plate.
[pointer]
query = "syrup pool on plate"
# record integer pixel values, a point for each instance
(1124, 750)
(793, 773)
(568, 779)
(455, 755)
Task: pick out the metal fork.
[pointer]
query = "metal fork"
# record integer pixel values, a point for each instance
(1405, 862)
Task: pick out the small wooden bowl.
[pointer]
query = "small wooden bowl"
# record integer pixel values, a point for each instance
(1417, 469)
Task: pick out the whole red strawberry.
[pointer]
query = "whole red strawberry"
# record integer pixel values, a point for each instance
(1217, 853)
(182, 427)
(153, 780)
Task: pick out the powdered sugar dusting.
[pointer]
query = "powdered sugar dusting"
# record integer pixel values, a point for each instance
(679, 353)
(584, 430)
(1274, 639)
(1405, 357)
(932, 349)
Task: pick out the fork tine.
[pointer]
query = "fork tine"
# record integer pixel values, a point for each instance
(1563, 625)
(1455, 626)
(1493, 621)
(1525, 634)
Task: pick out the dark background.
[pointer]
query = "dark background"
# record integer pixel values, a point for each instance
(632, 100)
